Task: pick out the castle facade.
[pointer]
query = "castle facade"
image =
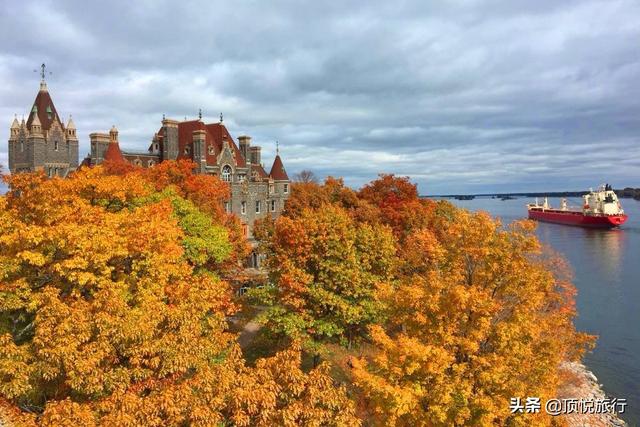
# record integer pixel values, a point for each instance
(44, 143)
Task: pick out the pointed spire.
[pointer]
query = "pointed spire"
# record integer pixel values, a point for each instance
(35, 121)
(277, 170)
(36, 126)
(200, 114)
(221, 118)
(70, 123)
(15, 124)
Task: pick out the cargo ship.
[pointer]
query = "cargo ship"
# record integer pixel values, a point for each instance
(600, 209)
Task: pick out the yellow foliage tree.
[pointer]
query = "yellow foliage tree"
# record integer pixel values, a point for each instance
(109, 316)
(477, 317)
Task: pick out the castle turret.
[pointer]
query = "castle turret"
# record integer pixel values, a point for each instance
(277, 170)
(72, 141)
(113, 153)
(15, 129)
(70, 130)
(36, 126)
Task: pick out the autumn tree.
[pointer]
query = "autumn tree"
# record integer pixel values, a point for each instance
(278, 393)
(97, 293)
(477, 317)
(110, 314)
(326, 268)
(207, 192)
(399, 205)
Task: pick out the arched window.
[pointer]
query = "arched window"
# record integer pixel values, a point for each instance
(226, 173)
(150, 163)
(55, 145)
(211, 152)
(137, 162)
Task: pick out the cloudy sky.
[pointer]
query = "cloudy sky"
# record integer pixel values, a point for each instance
(462, 96)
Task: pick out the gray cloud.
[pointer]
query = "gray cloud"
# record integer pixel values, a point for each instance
(462, 96)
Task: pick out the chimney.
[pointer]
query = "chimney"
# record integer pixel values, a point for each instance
(245, 142)
(255, 155)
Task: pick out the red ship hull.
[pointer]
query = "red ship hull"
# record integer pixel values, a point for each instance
(577, 218)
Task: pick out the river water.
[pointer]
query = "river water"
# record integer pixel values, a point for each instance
(606, 266)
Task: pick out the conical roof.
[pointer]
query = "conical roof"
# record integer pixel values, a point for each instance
(113, 153)
(15, 124)
(71, 124)
(44, 109)
(277, 170)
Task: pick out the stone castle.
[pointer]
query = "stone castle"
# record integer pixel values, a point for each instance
(43, 143)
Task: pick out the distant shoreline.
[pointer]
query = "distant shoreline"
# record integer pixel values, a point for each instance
(625, 193)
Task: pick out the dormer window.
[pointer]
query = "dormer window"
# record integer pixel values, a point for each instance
(187, 150)
(226, 173)
(49, 113)
(211, 152)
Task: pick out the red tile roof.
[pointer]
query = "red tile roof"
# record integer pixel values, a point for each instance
(42, 103)
(113, 153)
(277, 170)
(219, 132)
(260, 170)
(215, 135)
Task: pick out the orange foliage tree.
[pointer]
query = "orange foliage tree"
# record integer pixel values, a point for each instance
(108, 318)
(399, 205)
(476, 317)
(95, 293)
(207, 192)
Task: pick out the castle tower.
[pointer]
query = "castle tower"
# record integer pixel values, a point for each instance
(42, 143)
(72, 142)
(14, 134)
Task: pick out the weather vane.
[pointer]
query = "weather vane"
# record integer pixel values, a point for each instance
(43, 71)
(200, 113)
(220, 117)
(277, 148)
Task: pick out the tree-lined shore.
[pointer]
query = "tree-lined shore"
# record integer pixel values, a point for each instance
(119, 306)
